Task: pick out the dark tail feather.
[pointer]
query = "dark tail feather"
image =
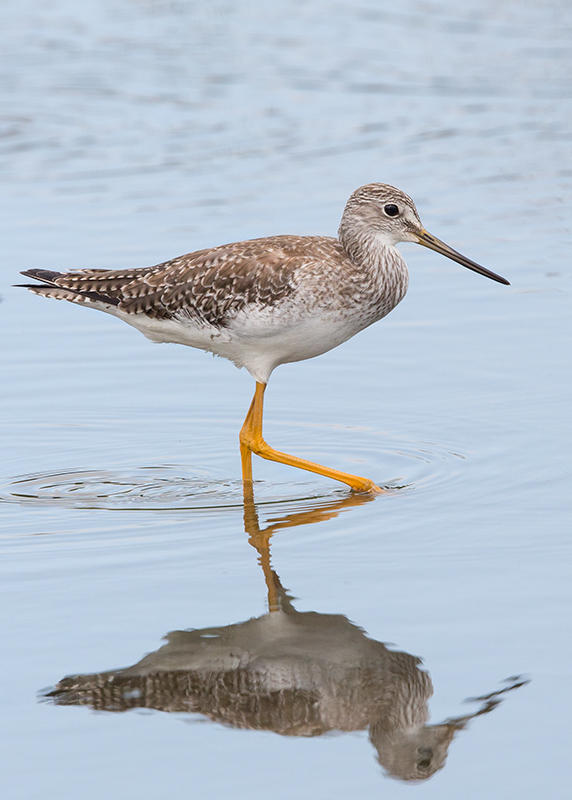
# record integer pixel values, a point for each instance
(44, 275)
(49, 288)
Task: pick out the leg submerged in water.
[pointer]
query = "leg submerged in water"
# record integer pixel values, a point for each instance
(251, 441)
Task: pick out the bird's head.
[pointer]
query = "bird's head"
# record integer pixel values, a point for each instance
(388, 215)
(412, 754)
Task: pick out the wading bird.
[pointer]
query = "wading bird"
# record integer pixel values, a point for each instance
(270, 301)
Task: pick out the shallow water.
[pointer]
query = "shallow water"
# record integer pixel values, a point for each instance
(135, 131)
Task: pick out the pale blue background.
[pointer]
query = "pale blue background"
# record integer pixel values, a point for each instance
(133, 131)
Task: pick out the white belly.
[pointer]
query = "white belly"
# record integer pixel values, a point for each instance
(258, 340)
(261, 351)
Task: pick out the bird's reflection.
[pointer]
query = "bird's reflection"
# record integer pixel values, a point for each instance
(294, 673)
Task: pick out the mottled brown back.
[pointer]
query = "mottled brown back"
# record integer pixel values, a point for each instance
(208, 286)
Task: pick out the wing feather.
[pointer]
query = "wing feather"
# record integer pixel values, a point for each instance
(209, 286)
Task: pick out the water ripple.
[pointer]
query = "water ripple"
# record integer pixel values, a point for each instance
(179, 486)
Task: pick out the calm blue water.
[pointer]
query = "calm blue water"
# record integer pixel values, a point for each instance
(134, 131)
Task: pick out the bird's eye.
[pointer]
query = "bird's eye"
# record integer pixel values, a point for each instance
(391, 210)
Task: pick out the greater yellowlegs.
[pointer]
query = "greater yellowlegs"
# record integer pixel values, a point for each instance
(270, 301)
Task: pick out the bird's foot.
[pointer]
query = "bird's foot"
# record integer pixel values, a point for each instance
(365, 486)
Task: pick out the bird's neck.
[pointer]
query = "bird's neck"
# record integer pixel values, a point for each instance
(365, 247)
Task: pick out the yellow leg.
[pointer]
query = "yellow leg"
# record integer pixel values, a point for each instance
(260, 540)
(251, 441)
(245, 450)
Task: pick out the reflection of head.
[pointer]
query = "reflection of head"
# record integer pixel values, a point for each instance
(414, 754)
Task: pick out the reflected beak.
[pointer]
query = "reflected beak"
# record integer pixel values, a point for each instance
(426, 239)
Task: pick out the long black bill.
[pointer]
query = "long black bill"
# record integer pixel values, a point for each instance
(426, 239)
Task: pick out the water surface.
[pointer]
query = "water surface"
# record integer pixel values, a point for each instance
(428, 635)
